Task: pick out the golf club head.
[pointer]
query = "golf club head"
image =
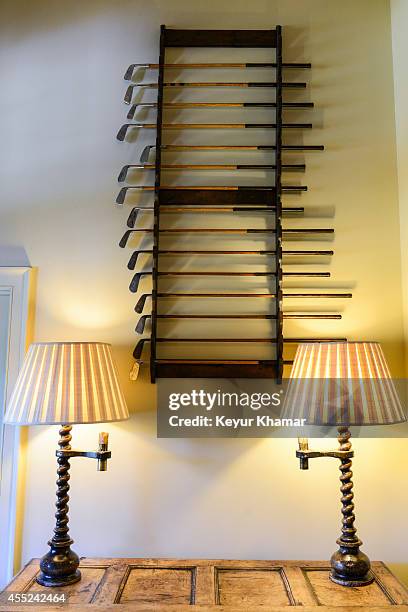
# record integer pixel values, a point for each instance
(122, 193)
(141, 324)
(132, 111)
(124, 239)
(123, 173)
(122, 132)
(131, 221)
(134, 283)
(133, 258)
(125, 169)
(121, 196)
(134, 108)
(132, 217)
(129, 72)
(146, 153)
(137, 353)
(141, 302)
(121, 135)
(129, 94)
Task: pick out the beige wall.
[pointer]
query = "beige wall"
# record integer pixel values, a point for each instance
(62, 86)
(399, 21)
(399, 14)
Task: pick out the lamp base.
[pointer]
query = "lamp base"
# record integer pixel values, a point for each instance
(351, 567)
(358, 582)
(59, 567)
(51, 581)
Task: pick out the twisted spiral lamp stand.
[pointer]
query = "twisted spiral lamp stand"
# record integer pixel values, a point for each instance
(349, 566)
(59, 567)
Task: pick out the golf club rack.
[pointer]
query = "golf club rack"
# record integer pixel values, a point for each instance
(200, 309)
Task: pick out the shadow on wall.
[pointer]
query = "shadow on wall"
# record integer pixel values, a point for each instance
(14, 256)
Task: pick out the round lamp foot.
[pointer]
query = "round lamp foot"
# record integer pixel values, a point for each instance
(54, 581)
(350, 567)
(352, 582)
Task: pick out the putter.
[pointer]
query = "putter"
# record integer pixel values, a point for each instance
(129, 91)
(129, 72)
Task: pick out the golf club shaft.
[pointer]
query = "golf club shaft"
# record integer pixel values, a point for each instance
(232, 231)
(249, 316)
(206, 65)
(306, 274)
(254, 295)
(197, 105)
(295, 85)
(224, 104)
(245, 340)
(216, 166)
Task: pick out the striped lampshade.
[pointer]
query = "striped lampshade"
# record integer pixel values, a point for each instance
(342, 383)
(67, 382)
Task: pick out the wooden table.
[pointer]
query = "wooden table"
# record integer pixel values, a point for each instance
(155, 584)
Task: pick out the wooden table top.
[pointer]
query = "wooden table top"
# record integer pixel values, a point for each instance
(156, 584)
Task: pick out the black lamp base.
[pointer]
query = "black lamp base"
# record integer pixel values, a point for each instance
(356, 582)
(52, 581)
(59, 567)
(350, 566)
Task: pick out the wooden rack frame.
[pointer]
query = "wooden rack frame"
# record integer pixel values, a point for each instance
(179, 198)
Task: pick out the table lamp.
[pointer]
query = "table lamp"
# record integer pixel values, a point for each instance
(66, 383)
(342, 384)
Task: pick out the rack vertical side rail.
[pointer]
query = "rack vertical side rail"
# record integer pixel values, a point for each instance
(278, 207)
(156, 211)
